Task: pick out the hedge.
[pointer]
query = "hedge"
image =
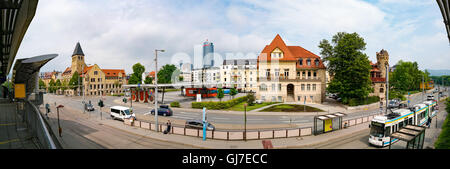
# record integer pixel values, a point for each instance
(369, 100)
(175, 104)
(219, 105)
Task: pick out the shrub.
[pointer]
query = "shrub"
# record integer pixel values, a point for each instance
(175, 104)
(218, 105)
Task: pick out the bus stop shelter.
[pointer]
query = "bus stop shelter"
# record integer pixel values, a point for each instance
(327, 123)
(414, 136)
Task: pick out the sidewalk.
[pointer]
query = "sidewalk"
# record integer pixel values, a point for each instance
(282, 143)
(432, 133)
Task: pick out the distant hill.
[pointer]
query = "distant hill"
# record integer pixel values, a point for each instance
(438, 72)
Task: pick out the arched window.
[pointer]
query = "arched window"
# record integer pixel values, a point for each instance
(300, 62)
(316, 62)
(308, 62)
(381, 90)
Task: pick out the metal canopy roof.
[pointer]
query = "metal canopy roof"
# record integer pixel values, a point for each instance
(26, 71)
(444, 6)
(330, 116)
(15, 17)
(408, 133)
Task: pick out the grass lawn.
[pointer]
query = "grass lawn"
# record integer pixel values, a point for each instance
(291, 108)
(443, 141)
(240, 106)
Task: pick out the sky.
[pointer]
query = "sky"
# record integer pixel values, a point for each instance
(116, 34)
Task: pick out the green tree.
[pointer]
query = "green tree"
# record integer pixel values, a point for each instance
(447, 103)
(73, 83)
(180, 78)
(349, 66)
(148, 80)
(233, 92)
(136, 77)
(58, 84)
(42, 84)
(220, 94)
(408, 77)
(51, 86)
(165, 76)
(251, 99)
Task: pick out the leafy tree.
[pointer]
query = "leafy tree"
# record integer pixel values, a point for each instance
(251, 99)
(349, 66)
(233, 92)
(136, 77)
(148, 80)
(220, 94)
(180, 78)
(52, 86)
(58, 84)
(42, 84)
(447, 103)
(407, 76)
(73, 83)
(165, 76)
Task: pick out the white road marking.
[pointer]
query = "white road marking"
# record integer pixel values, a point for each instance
(218, 118)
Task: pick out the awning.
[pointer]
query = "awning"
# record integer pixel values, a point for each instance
(26, 71)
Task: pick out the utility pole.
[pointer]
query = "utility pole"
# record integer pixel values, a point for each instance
(245, 121)
(156, 88)
(387, 87)
(423, 87)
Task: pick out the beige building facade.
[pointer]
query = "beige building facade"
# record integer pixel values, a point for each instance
(290, 74)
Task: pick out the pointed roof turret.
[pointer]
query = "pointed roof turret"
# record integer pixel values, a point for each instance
(78, 50)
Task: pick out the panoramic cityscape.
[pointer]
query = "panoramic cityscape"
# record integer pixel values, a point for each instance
(224, 75)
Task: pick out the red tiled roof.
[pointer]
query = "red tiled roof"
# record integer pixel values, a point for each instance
(291, 53)
(151, 74)
(86, 69)
(113, 72)
(67, 71)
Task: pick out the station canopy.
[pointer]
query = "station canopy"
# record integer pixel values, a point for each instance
(15, 17)
(26, 71)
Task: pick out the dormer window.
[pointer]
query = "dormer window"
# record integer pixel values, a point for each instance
(277, 54)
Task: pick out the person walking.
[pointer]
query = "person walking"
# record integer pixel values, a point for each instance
(169, 126)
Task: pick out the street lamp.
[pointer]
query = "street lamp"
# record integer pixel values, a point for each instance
(444, 6)
(245, 121)
(59, 126)
(156, 88)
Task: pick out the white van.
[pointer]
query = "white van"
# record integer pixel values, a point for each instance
(122, 113)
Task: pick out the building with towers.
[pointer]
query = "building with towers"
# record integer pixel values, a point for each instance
(378, 75)
(93, 79)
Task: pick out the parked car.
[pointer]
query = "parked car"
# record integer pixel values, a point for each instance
(198, 124)
(430, 97)
(89, 107)
(258, 101)
(163, 110)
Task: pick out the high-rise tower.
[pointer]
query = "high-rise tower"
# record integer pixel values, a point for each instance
(208, 54)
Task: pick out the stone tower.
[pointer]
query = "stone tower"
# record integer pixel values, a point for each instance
(78, 59)
(382, 61)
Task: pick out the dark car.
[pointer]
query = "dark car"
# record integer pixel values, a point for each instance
(89, 107)
(197, 124)
(163, 110)
(394, 103)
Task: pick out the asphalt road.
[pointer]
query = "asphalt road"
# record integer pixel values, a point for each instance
(82, 132)
(76, 102)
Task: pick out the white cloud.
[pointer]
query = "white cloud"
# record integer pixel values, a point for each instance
(117, 34)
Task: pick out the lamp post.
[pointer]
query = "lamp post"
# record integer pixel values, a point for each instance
(84, 89)
(59, 126)
(156, 88)
(245, 121)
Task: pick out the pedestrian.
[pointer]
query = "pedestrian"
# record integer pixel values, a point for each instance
(47, 107)
(169, 126)
(429, 122)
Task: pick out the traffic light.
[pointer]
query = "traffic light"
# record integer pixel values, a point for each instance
(100, 103)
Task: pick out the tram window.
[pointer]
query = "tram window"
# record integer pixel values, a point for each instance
(387, 132)
(400, 125)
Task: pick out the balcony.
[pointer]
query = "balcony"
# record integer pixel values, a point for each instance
(286, 79)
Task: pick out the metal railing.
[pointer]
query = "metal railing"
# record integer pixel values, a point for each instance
(37, 126)
(229, 135)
